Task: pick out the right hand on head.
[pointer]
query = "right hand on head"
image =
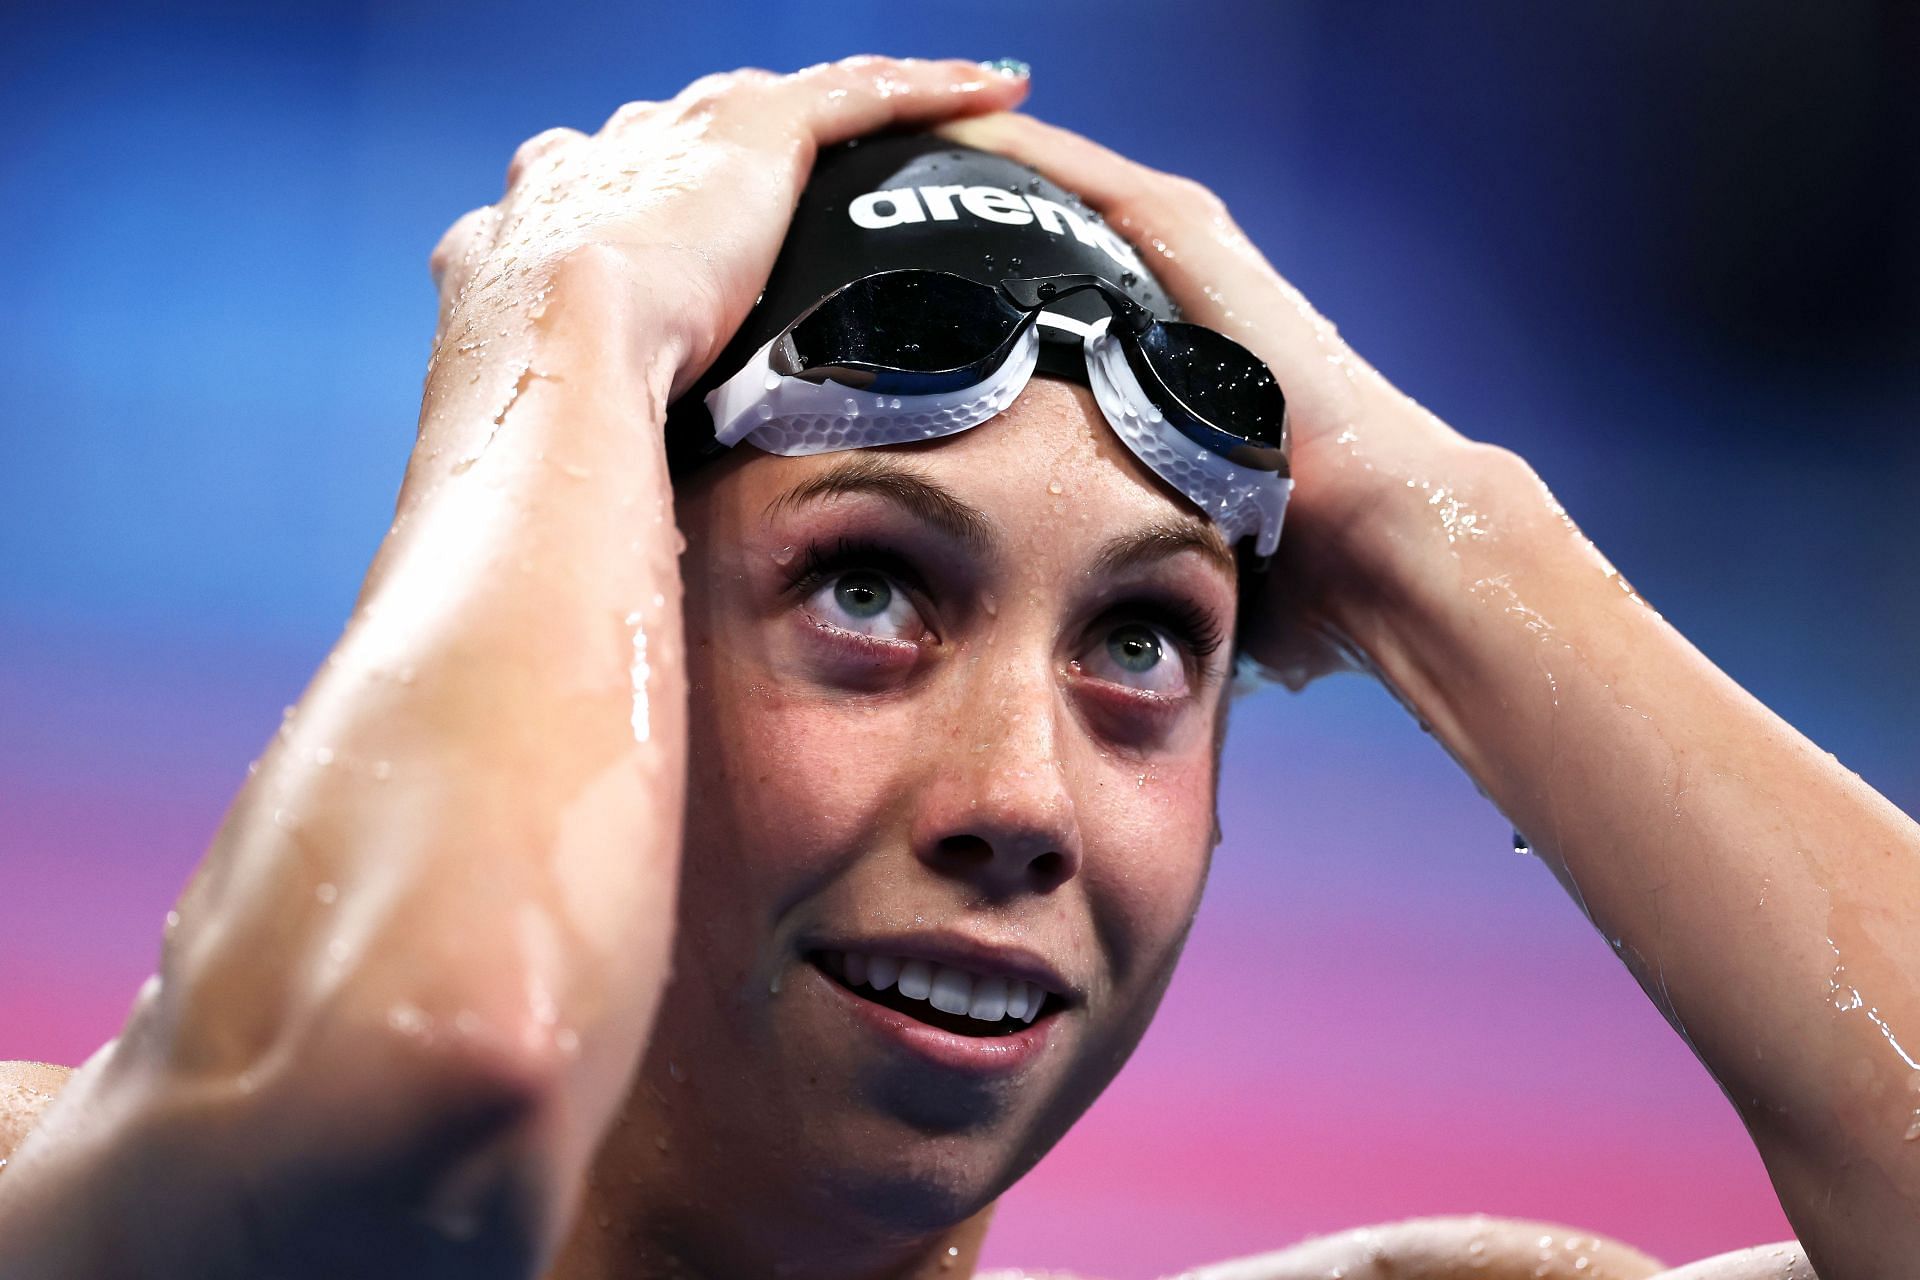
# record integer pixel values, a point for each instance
(692, 196)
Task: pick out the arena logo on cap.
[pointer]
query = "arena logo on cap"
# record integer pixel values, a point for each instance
(878, 210)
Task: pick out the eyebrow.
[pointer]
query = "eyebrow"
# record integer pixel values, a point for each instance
(935, 505)
(1162, 540)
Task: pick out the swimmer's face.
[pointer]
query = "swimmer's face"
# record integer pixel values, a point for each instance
(957, 701)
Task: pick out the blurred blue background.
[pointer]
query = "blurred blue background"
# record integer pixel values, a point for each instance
(1670, 253)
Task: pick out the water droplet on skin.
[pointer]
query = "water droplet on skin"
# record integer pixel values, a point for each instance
(326, 893)
(1913, 1128)
(660, 1142)
(408, 1020)
(173, 921)
(1055, 487)
(382, 770)
(785, 556)
(1521, 845)
(323, 757)
(675, 1073)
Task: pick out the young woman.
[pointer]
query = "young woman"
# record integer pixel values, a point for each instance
(622, 896)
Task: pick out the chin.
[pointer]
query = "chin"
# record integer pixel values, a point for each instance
(921, 1189)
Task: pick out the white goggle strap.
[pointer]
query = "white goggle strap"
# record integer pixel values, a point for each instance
(793, 416)
(1239, 499)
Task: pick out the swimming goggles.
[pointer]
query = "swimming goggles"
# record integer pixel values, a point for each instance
(915, 354)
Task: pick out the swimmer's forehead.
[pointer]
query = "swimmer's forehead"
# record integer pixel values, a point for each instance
(927, 501)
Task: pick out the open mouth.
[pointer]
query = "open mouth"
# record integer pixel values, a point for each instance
(954, 1000)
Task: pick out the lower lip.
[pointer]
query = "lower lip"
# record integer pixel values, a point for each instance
(975, 1055)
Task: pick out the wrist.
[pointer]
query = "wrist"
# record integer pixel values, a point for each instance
(590, 317)
(1422, 531)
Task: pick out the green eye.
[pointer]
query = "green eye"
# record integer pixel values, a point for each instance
(1135, 648)
(863, 595)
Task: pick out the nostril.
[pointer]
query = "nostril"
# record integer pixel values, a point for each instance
(968, 849)
(1049, 867)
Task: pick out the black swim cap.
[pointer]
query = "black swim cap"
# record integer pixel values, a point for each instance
(916, 200)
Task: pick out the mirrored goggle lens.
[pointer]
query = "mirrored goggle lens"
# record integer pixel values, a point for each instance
(1221, 383)
(922, 322)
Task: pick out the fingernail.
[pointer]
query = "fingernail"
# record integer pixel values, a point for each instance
(1012, 68)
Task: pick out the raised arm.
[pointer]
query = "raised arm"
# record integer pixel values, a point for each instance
(404, 993)
(1765, 897)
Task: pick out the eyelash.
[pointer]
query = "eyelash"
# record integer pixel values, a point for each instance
(1191, 625)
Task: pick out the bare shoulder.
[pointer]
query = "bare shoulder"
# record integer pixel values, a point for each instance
(25, 1090)
(1783, 1261)
(1484, 1247)
(1488, 1248)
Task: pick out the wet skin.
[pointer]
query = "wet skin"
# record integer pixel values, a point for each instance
(1011, 746)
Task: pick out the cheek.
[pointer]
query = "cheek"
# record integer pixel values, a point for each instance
(784, 785)
(1149, 865)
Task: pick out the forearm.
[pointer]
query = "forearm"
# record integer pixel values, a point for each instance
(452, 874)
(1764, 896)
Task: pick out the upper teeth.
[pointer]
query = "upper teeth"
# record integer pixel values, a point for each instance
(986, 997)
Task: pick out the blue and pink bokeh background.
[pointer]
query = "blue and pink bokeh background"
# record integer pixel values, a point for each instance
(1672, 258)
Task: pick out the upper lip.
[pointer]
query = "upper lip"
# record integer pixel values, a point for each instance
(978, 954)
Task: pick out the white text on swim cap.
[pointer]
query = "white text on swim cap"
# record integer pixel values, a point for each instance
(878, 210)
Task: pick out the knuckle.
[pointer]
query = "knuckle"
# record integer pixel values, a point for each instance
(529, 152)
(1195, 191)
(860, 70)
(628, 113)
(712, 93)
(1185, 192)
(449, 246)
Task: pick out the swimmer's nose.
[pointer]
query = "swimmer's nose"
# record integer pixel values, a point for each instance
(995, 808)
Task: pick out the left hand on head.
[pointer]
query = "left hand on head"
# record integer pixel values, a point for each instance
(1354, 436)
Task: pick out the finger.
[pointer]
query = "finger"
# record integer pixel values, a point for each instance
(1151, 207)
(1162, 214)
(1104, 178)
(1185, 234)
(536, 149)
(855, 96)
